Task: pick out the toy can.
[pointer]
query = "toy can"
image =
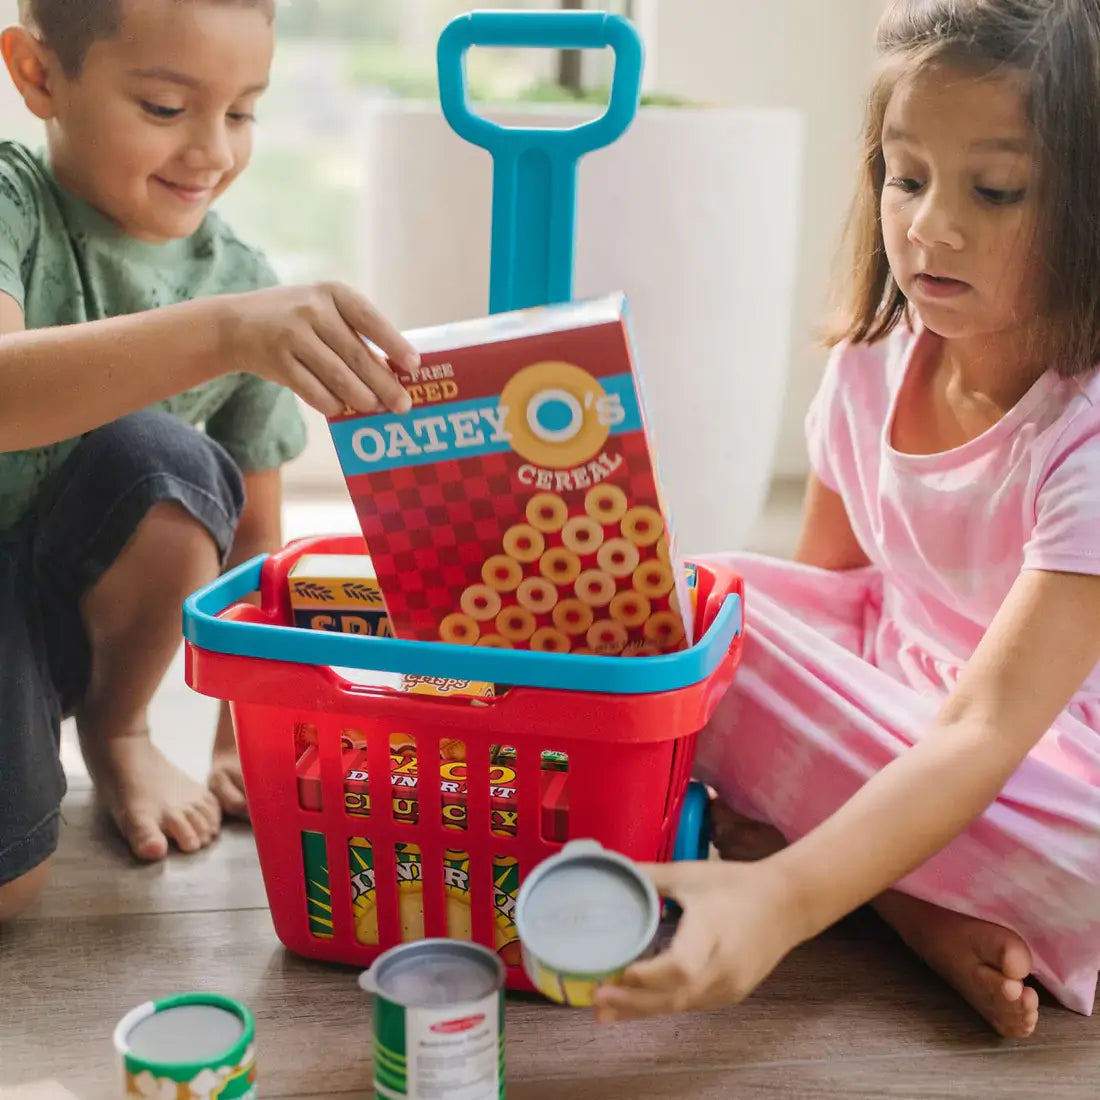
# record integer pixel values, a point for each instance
(195, 1046)
(583, 916)
(438, 1016)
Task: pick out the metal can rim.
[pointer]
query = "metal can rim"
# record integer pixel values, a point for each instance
(369, 980)
(231, 1056)
(589, 849)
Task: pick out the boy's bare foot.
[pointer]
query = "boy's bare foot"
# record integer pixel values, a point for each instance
(225, 780)
(150, 799)
(226, 784)
(986, 963)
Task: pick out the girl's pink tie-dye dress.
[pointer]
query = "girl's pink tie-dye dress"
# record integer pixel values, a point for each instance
(843, 671)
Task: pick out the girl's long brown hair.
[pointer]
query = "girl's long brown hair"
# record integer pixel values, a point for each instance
(1055, 46)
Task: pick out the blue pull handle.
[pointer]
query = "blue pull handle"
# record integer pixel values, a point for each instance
(535, 169)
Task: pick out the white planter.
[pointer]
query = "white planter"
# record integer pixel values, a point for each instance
(693, 213)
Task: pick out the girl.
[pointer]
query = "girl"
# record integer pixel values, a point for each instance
(918, 711)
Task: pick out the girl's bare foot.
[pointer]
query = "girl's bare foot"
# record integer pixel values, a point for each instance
(986, 963)
(150, 799)
(739, 838)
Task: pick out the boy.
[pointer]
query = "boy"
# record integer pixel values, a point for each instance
(129, 315)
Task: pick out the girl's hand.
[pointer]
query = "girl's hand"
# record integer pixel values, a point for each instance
(739, 921)
(312, 339)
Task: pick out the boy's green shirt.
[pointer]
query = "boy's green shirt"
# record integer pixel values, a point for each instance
(65, 263)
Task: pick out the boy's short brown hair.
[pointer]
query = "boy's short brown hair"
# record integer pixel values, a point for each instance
(69, 27)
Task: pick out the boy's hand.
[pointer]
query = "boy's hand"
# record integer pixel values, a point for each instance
(311, 339)
(738, 923)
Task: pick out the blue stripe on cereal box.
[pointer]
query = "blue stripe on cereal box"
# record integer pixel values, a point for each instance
(457, 429)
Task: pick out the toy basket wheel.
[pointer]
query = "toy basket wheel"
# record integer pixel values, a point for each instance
(693, 835)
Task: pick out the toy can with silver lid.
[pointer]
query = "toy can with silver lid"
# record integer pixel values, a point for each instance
(195, 1046)
(438, 1018)
(583, 916)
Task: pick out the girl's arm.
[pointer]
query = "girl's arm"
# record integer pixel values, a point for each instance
(827, 539)
(741, 919)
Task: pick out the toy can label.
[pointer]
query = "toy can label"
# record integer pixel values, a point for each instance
(190, 1047)
(447, 1053)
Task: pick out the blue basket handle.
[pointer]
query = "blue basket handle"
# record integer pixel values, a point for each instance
(534, 168)
(203, 627)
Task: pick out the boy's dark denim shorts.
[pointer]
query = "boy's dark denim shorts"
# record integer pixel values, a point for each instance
(81, 523)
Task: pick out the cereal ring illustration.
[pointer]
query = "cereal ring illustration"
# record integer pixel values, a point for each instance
(630, 608)
(560, 565)
(459, 629)
(494, 641)
(606, 504)
(594, 588)
(537, 594)
(480, 602)
(582, 535)
(573, 617)
(664, 629)
(652, 579)
(501, 573)
(663, 552)
(643, 525)
(549, 640)
(606, 636)
(547, 512)
(618, 557)
(516, 624)
(524, 543)
(555, 414)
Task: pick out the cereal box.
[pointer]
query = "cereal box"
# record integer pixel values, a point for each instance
(517, 503)
(338, 592)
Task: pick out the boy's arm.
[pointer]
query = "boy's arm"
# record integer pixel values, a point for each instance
(827, 539)
(58, 383)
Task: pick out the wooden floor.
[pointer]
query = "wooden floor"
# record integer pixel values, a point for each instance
(850, 1015)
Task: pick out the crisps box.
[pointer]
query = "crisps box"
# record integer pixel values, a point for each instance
(517, 504)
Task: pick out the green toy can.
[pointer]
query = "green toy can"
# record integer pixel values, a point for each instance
(437, 1008)
(195, 1046)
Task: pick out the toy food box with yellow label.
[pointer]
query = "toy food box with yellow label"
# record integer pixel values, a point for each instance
(338, 592)
(517, 503)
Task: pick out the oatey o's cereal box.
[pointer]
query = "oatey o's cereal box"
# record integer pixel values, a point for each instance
(517, 504)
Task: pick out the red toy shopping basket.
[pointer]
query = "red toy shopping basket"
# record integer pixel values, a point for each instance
(382, 816)
(348, 869)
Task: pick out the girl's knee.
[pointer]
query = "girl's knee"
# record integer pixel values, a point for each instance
(18, 896)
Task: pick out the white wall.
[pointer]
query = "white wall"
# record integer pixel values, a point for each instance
(814, 55)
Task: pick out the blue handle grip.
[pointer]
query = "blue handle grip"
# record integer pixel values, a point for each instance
(535, 168)
(640, 676)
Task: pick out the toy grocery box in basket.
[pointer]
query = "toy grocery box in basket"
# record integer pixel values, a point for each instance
(384, 814)
(517, 504)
